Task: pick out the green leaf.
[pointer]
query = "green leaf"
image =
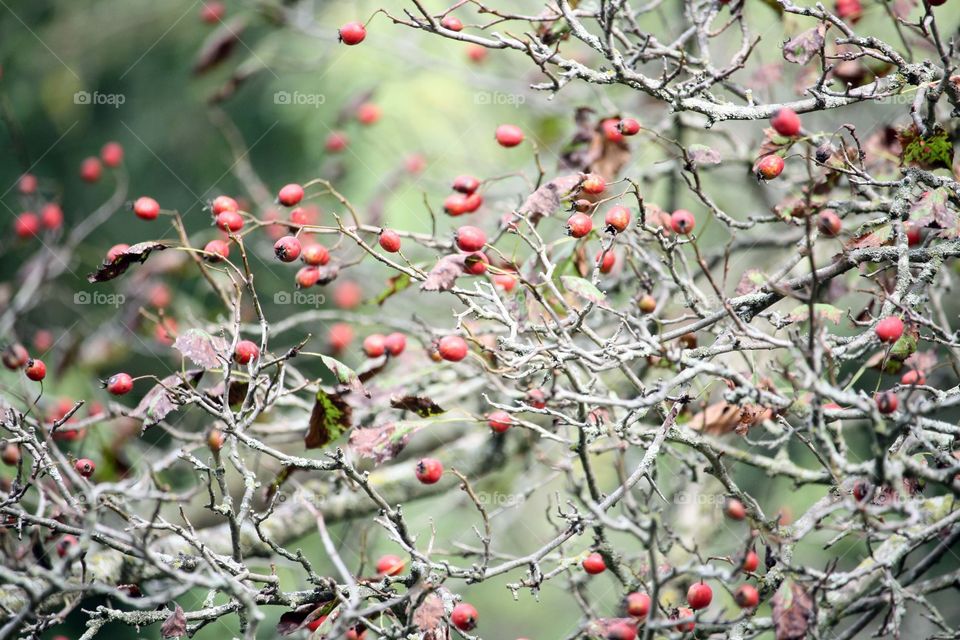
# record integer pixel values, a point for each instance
(905, 347)
(825, 311)
(396, 284)
(344, 374)
(930, 152)
(584, 289)
(329, 420)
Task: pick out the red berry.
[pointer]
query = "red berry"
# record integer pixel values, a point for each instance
(215, 440)
(395, 342)
(746, 596)
(471, 238)
(90, 169)
(315, 255)
(769, 167)
(389, 241)
(27, 184)
(112, 154)
(307, 277)
(579, 225)
(617, 219)
(229, 221)
(913, 235)
(611, 130)
(120, 384)
(374, 345)
(537, 399)
(913, 377)
(509, 135)
(224, 203)
(290, 195)
(146, 208)
(682, 221)
(429, 470)
(786, 122)
(699, 595)
(593, 184)
(85, 467)
(451, 22)
(629, 127)
(217, 250)
(352, 33)
(861, 489)
(887, 402)
(751, 561)
(287, 249)
(51, 216)
(472, 202)
(414, 163)
(464, 616)
(14, 356)
(505, 281)
(734, 509)
(116, 251)
(305, 215)
(64, 545)
(390, 565)
(889, 329)
(594, 564)
(621, 631)
(336, 142)
(347, 295)
(455, 204)
(368, 113)
(10, 455)
(340, 336)
(452, 348)
(212, 12)
(638, 604)
(36, 370)
(466, 184)
(606, 261)
(26, 225)
(647, 303)
(849, 10)
(829, 223)
(477, 53)
(499, 421)
(246, 351)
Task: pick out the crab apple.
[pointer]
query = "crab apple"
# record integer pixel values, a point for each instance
(887, 402)
(594, 564)
(850, 10)
(594, 184)
(352, 33)
(290, 195)
(390, 565)
(606, 261)
(35, 369)
(579, 225)
(336, 142)
(499, 421)
(682, 221)
(638, 604)
(10, 455)
(212, 12)
(339, 336)
(464, 616)
(429, 470)
(699, 595)
(889, 329)
(347, 295)
(66, 543)
(374, 345)
(769, 167)
(476, 53)
(455, 204)
(647, 303)
(112, 154)
(537, 399)
(85, 467)
(90, 169)
(15, 356)
(470, 238)
(508, 135)
(287, 249)
(913, 377)
(26, 225)
(751, 561)
(119, 384)
(505, 281)
(628, 126)
(246, 351)
(307, 277)
(315, 255)
(829, 223)
(472, 202)
(368, 113)
(215, 440)
(451, 22)
(146, 208)
(617, 219)
(116, 251)
(621, 631)
(224, 203)
(389, 241)
(746, 596)
(395, 343)
(51, 216)
(27, 184)
(734, 509)
(786, 122)
(229, 221)
(452, 348)
(611, 130)
(217, 250)
(466, 184)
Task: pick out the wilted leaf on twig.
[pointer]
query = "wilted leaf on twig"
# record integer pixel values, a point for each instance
(174, 626)
(444, 275)
(825, 311)
(792, 611)
(329, 420)
(722, 417)
(203, 349)
(219, 45)
(344, 374)
(159, 402)
(931, 210)
(421, 405)
(137, 253)
(547, 199)
(701, 155)
(584, 288)
(803, 47)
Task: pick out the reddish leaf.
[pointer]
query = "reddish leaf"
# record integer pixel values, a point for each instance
(802, 48)
(175, 626)
(159, 402)
(546, 200)
(444, 275)
(219, 45)
(137, 253)
(331, 417)
(792, 611)
(203, 349)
